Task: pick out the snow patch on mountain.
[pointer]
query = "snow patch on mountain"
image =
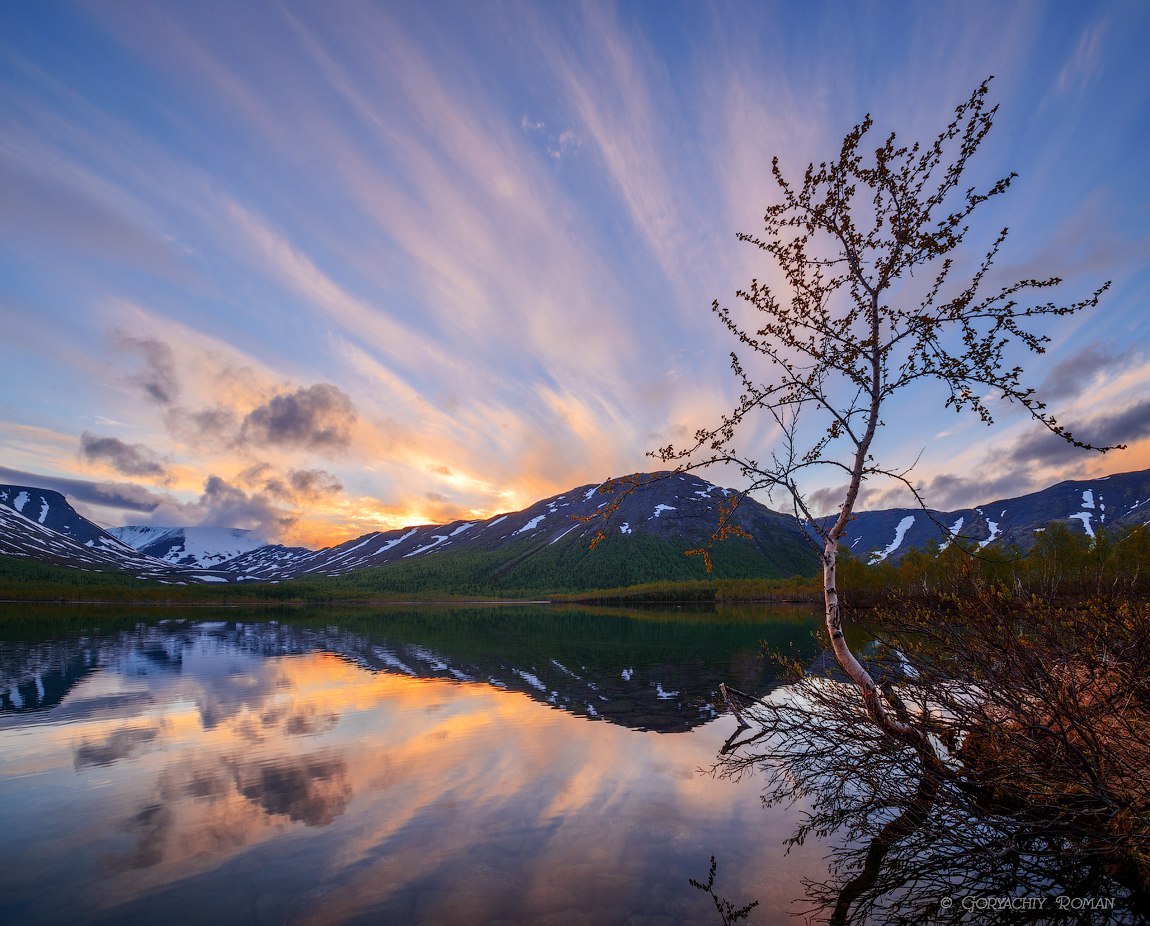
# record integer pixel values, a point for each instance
(994, 532)
(899, 534)
(565, 533)
(396, 541)
(1084, 517)
(954, 529)
(530, 679)
(531, 525)
(436, 540)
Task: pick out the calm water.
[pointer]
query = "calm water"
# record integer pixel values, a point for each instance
(505, 765)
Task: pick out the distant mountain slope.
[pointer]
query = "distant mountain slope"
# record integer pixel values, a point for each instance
(547, 546)
(190, 546)
(542, 547)
(51, 510)
(39, 524)
(1116, 501)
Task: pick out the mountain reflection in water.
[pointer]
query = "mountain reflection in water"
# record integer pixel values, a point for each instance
(401, 767)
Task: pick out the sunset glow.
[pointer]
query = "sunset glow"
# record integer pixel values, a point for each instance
(323, 269)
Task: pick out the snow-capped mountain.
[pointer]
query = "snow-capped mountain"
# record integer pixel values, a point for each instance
(646, 537)
(39, 524)
(1121, 500)
(51, 511)
(546, 545)
(190, 546)
(676, 510)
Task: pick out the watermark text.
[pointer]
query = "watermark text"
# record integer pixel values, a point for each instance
(1059, 902)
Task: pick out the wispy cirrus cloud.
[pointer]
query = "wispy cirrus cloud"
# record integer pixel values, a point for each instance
(495, 234)
(50, 204)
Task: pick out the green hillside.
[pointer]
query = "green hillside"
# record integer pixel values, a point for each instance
(530, 568)
(525, 569)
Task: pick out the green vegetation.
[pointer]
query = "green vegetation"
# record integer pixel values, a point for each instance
(24, 577)
(1063, 563)
(643, 571)
(525, 570)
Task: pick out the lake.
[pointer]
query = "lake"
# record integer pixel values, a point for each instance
(507, 764)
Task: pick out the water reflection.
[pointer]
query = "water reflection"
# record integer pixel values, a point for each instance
(909, 846)
(647, 670)
(399, 768)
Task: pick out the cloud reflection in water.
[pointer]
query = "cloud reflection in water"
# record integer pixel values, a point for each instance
(237, 781)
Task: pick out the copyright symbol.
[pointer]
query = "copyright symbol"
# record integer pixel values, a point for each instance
(947, 903)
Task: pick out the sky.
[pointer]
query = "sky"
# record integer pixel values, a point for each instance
(317, 269)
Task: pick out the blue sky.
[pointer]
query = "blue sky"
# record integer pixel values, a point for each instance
(319, 269)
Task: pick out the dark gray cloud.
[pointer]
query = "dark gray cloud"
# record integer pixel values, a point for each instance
(1068, 378)
(158, 378)
(225, 505)
(1037, 448)
(215, 425)
(945, 492)
(315, 417)
(829, 501)
(948, 492)
(1121, 427)
(110, 495)
(313, 484)
(129, 459)
(296, 485)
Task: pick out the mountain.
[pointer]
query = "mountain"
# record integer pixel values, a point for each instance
(39, 525)
(1117, 501)
(189, 546)
(544, 547)
(50, 510)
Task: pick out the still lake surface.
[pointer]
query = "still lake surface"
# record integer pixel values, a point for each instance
(512, 764)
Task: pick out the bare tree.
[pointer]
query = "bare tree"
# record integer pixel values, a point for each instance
(1045, 711)
(868, 307)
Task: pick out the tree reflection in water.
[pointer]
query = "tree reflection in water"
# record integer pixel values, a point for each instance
(1041, 812)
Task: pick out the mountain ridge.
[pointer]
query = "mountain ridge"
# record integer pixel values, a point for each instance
(545, 546)
(189, 546)
(1084, 505)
